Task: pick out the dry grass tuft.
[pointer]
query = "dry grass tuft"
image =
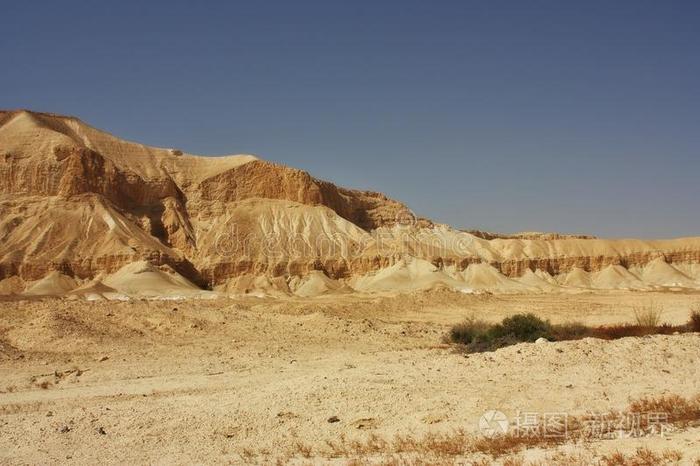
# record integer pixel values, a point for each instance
(643, 457)
(649, 315)
(443, 448)
(303, 449)
(679, 410)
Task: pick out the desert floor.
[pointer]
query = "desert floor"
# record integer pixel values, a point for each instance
(256, 379)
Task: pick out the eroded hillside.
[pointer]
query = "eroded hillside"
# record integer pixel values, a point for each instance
(79, 203)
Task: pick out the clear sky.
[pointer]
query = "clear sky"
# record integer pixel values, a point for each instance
(502, 115)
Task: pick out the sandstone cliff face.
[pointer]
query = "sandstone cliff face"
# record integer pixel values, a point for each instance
(163, 201)
(80, 201)
(260, 179)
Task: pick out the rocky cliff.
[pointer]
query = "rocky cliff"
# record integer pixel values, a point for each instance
(79, 201)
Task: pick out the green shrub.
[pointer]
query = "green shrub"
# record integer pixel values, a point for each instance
(490, 343)
(477, 336)
(469, 331)
(694, 322)
(522, 327)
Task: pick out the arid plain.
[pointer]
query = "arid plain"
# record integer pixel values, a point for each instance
(257, 380)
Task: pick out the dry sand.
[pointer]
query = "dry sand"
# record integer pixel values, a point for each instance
(247, 379)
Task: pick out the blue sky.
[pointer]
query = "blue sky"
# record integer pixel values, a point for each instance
(501, 115)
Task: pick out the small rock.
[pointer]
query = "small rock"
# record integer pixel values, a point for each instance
(101, 431)
(541, 340)
(103, 358)
(49, 414)
(333, 419)
(433, 418)
(64, 430)
(365, 423)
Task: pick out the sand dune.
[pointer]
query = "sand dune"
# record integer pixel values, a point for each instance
(317, 283)
(659, 272)
(577, 278)
(54, 284)
(486, 277)
(616, 277)
(539, 280)
(405, 275)
(144, 279)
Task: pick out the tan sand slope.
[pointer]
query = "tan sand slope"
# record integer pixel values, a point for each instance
(616, 277)
(539, 280)
(317, 283)
(54, 284)
(659, 272)
(486, 277)
(144, 279)
(406, 274)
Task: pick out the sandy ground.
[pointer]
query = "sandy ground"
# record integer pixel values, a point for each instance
(245, 380)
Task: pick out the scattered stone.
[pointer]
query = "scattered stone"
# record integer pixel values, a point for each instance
(433, 418)
(333, 419)
(365, 423)
(287, 415)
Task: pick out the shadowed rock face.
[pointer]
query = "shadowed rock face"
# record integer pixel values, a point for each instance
(83, 202)
(261, 179)
(72, 177)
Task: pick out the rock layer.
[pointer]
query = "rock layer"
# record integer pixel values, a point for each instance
(79, 201)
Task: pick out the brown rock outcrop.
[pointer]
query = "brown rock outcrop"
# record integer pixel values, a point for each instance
(83, 202)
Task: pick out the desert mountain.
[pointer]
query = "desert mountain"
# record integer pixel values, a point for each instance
(81, 209)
